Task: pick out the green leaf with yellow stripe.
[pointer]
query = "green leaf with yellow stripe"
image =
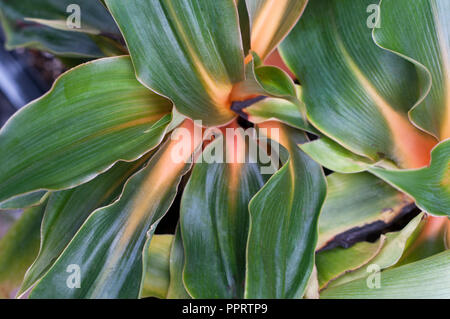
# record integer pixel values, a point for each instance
(355, 92)
(215, 218)
(190, 51)
(108, 249)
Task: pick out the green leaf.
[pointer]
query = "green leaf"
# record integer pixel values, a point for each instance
(277, 109)
(394, 247)
(283, 223)
(157, 269)
(420, 32)
(430, 241)
(108, 249)
(26, 24)
(355, 201)
(427, 278)
(176, 288)
(18, 248)
(333, 156)
(214, 218)
(271, 21)
(355, 92)
(95, 115)
(67, 210)
(430, 186)
(334, 263)
(190, 51)
(24, 201)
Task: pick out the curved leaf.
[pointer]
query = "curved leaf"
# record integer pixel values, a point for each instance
(95, 115)
(427, 278)
(283, 223)
(190, 51)
(331, 48)
(157, 269)
(214, 219)
(420, 32)
(108, 249)
(271, 21)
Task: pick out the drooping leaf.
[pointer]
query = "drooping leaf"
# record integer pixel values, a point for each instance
(157, 269)
(283, 223)
(390, 252)
(176, 288)
(427, 278)
(355, 201)
(420, 32)
(108, 249)
(190, 51)
(18, 248)
(331, 48)
(29, 23)
(214, 217)
(95, 115)
(271, 21)
(67, 210)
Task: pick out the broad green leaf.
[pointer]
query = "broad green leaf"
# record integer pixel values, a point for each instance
(190, 51)
(18, 248)
(176, 288)
(334, 263)
(24, 201)
(157, 269)
(430, 186)
(420, 32)
(333, 156)
(283, 223)
(67, 210)
(355, 92)
(95, 115)
(355, 201)
(271, 21)
(26, 24)
(427, 278)
(395, 244)
(108, 249)
(214, 218)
